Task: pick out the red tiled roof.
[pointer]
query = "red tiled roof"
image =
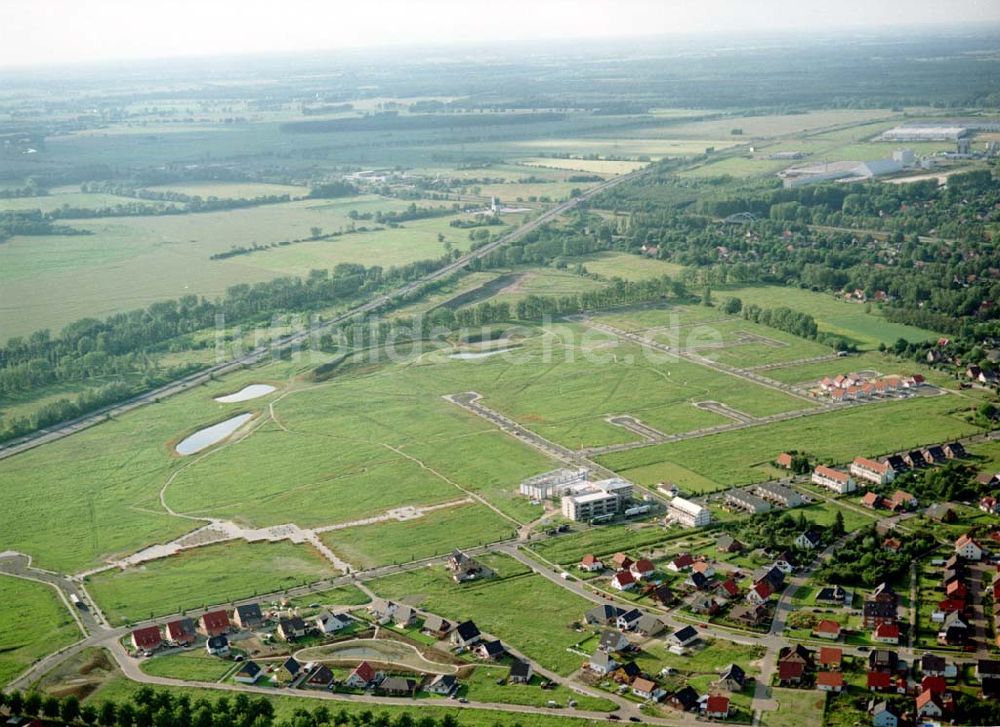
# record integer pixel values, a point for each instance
(589, 559)
(683, 560)
(624, 577)
(365, 671)
(830, 679)
(827, 627)
(717, 704)
(936, 685)
(147, 638)
(644, 566)
(832, 474)
(887, 631)
(176, 631)
(830, 655)
(215, 620)
(790, 670)
(870, 464)
(879, 680)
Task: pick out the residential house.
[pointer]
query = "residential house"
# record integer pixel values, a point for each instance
(684, 699)
(601, 663)
(934, 684)
(623, 580)
(382, 610)
(181, 632)
(620, 561)
(784, 460)
(590, 563)
(248, 673)
(827, 629)
(717, 707)
(612, 642)
(217, 645)
(808, 540)
(146, 639)
(954, 631)
(778, 494)
(749, 615)
(901, 500)
(834, 595)
(914, 459)
(698, 580)
(830, 681)
(942, 512)
(330, 623)
(883, 660)
(397, 687)
(681, 563)
(929, 705)
(868, 469)
(626, 673)
(786, 562)
(404, 617)
(733, 678)
(728, 544)
(645, 688)
(790, 672)
(990, 505)
(988, 674)
(520, 672)
(684, 637)
(703, 603)
(881, 606)
(319, 678)
(796, 654)
(436, 626)
(363, 676)
(444, 684)
(214, 623)
(602, 615)
(463, 568)
(662, 594)
(839, 482)
(642, 568)
(886, 633)
(649, 625)
(728, 589)
(955, 450)
(897, 463)
(292, 628)
(872, 500)
(879, 681)
(747, 502)
(968, 548)
(759, 594)
(936, 666)
(934, 454)
(892, 544)
(884, 715)
(774, 577)
(248, 616)
(465, 634)
(831, 658)
(490, 649)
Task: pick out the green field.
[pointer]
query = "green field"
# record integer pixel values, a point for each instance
(567, 550)
(435, 533)
(34, 622)
(130, 262)
(193, 666)
(838, 437)
(796, 708)
(205, 576)
(628, 267)
(481, 686)
(527, 611)
(867, 330)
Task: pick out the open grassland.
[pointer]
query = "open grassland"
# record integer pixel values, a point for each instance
(193, 666)
(734, 458)
(120, 689)
(481, 686)
(34, 622)
(628, 267)
(867, 330)
(435, 533)
(796, 708)
(71, 197)
(772, 125)
(526, 611)
(130, 262)
(650, 143)
(592, 166)
(204, 576)
(232, 190)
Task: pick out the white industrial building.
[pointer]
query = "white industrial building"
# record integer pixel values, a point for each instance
(687, 513)
(838, 172)
(553, 484)
(592, 500)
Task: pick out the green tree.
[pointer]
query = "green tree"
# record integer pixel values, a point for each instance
(69, 710)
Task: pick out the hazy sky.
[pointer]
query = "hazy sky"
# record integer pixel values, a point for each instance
(56, 31)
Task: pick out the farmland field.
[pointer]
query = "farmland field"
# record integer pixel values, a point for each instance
(525, 610)
(34, 622)
(203, 577)
(837, 437)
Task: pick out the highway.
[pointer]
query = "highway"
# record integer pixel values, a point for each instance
(65, 429)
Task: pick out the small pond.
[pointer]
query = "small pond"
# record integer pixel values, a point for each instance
(246, 393)
(211, 435)
(472, 355)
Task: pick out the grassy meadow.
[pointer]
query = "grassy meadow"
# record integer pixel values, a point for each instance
(204, 576)
(34, 621)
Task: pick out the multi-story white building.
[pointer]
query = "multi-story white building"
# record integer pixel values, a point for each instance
(590, 505)
(553, 484)
(868, 469)
(839, 482)
(687, 513)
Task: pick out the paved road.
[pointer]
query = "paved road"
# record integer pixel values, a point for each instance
(65, 429)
